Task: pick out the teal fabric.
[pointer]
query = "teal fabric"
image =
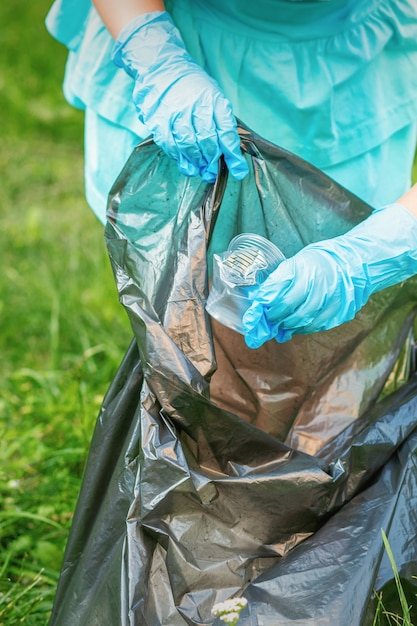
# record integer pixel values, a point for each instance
(329, 85)
(329, 80)
(66, 21)
(107, 148)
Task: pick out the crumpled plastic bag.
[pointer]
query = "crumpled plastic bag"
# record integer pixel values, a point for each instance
(218, 471)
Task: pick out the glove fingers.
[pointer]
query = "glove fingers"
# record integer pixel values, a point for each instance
(281, 293)
(257, 329)
(185, 166)
(295, 300)
(287, 302)
(216, 132)
(258, 325)
(188, 150)
(196, 146)
(229, 139)
(208, 135)
(195, 136)
(198, 137)
(211, 153)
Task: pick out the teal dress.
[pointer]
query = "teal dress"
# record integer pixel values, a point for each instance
(334, 81)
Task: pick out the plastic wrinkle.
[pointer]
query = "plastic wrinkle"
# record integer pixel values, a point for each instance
(217, 471)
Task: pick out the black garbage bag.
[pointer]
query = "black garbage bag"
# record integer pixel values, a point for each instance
(218, 471)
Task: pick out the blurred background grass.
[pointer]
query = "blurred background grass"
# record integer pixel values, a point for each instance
(63, 332)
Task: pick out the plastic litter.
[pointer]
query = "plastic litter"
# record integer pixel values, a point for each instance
(237, 273)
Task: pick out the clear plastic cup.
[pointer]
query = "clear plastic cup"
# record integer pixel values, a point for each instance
(237, 274)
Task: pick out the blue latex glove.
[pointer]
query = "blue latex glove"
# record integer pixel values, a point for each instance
(183, 108)
(326, 283)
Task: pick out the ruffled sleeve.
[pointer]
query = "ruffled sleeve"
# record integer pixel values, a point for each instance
(66, 21)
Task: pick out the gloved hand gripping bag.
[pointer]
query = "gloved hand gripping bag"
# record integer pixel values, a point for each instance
(217, 471)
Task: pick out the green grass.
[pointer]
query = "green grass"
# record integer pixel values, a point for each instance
(63, 331)
(402, 615)
(406, 617)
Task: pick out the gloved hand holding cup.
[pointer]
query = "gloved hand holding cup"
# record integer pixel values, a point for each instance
(326, 283)
(237, 274)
